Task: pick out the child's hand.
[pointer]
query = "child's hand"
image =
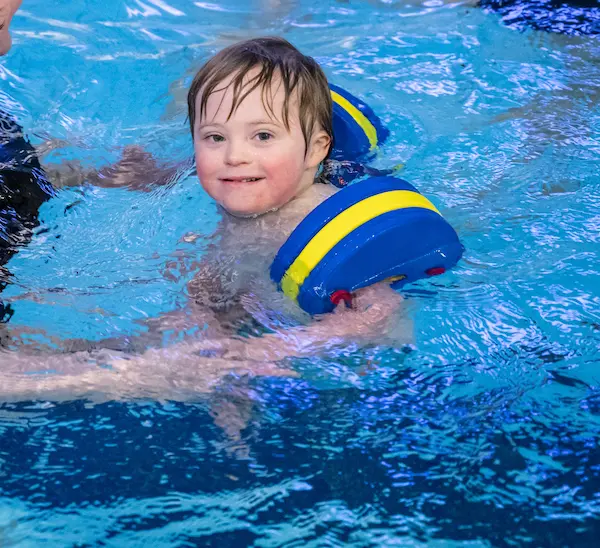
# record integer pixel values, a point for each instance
(368, 320)
(372, 307)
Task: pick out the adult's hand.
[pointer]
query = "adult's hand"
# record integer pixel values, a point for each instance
(7, 10)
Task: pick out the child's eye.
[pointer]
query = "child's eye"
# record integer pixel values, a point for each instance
(213, 137)
(264, 136)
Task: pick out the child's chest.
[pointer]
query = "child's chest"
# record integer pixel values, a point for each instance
(239, 267)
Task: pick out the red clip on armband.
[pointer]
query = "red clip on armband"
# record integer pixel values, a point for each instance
(341, 295)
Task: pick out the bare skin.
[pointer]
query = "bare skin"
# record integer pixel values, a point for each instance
(7, 10)
(185, 370)
(137, 170)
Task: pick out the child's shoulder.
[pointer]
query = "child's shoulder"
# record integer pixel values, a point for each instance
(316, 194)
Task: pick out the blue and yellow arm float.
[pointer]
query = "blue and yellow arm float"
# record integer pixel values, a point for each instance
(357, 130)
(380, 229)
(375, 230)
(357, 135)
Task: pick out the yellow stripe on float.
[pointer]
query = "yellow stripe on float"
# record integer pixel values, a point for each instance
(340, 226)
(364, 123)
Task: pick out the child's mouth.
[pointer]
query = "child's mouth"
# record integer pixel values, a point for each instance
(242, 179)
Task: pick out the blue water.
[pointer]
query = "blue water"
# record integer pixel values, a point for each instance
(484, 433)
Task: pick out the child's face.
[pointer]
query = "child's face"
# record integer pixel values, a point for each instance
(251, 163)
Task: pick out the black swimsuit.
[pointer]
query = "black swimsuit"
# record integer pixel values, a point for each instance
(23, 189)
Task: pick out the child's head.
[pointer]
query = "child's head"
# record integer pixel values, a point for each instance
(261, 120)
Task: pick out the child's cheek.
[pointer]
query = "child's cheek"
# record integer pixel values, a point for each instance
(205, 162)
(205, 170)
(284, 170)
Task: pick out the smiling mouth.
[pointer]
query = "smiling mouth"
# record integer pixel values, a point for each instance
(241, 179)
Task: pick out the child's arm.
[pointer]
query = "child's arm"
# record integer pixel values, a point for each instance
(107, 375)
(373, 319)
(136, 170)
(186, 369)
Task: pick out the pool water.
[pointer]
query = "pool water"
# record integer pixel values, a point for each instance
(484, 433)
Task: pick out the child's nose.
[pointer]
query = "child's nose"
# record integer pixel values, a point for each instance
(237, 152)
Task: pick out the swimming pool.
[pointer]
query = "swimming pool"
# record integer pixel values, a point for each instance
(484, 434)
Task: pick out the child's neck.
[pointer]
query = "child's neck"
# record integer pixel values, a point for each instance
(283, 221)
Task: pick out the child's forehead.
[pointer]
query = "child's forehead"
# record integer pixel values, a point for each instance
(268, 96)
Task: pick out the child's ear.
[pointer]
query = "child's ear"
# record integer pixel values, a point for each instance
(319, 148)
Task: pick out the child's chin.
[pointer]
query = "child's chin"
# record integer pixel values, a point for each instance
(245, 212)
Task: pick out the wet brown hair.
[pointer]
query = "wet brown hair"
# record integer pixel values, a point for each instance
(301, 77)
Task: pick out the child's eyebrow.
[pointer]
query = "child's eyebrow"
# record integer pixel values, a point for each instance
(261, 122)
(208, 124)
(264, 122)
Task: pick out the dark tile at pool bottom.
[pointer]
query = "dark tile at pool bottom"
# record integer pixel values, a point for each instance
(571, 17)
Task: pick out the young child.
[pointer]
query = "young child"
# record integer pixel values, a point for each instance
(260, 113)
